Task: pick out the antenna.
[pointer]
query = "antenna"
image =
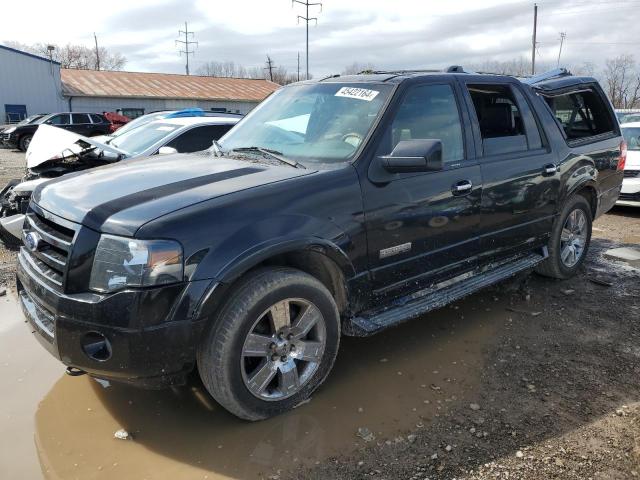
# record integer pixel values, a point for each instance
(307, 19)
(186, 42)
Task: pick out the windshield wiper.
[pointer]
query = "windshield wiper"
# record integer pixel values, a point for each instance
(272, 153)
(215, 149)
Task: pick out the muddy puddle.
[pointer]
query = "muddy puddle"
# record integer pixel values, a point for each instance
(390, 383)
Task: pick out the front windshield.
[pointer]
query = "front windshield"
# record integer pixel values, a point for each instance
(138, 122)
(28, 120)
(137, 140)
(321, 122)
(632, 137)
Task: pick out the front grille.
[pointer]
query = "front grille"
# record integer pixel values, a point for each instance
(6, 137)
(55, 239)
(631, 173)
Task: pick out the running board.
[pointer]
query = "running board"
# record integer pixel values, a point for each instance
(424, 301)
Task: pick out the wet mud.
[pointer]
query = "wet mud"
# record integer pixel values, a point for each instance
(389, 384)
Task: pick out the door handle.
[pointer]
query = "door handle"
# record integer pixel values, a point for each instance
(462, 187)
(550, 169)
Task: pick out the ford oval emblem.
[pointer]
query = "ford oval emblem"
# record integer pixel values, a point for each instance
(32, 241)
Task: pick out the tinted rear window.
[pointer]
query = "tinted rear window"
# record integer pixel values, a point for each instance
(582, 114)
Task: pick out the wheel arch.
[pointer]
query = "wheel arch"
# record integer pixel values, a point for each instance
(588, 190)
(321, 259)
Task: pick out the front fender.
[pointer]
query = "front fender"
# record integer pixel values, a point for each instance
(258, 241)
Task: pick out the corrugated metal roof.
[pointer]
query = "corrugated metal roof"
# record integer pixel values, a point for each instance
(92, 83)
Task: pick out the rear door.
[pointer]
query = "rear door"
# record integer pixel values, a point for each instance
(520, 173)
(422, 228)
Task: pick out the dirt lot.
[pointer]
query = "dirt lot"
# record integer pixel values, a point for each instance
(532, 379)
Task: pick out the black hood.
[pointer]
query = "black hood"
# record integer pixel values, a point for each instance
(120, 198)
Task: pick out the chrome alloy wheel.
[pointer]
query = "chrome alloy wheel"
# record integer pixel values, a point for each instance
(573, 238)
(283, 349)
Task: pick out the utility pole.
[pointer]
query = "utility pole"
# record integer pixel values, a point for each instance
(298, 66)
(97, 52)
(307, 19)
(534, 43)
(186, 42)
(562, 37)
(269, 67)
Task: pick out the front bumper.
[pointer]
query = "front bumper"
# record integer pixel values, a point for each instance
(9, 140)
(630, 193)
(152, 333)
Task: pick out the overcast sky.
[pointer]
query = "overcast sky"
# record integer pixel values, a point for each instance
(388, 34)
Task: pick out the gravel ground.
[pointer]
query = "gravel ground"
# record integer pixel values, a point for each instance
(11, 166)
(557, 396)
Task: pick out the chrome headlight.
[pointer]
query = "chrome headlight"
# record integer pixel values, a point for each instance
(126, 262)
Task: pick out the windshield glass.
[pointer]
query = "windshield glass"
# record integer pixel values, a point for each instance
(138, 122)
(322, 122)
(28, 120)
(137, 140)
(632, 137)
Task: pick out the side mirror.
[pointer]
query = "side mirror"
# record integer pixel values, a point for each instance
(167, 151)
(414, 156)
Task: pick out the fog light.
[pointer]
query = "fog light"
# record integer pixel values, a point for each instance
(96, 346)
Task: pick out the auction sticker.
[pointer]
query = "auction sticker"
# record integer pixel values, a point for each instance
(358, 93)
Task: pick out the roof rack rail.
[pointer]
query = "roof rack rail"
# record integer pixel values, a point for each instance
(541, 77)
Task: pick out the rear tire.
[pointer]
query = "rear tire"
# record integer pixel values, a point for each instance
(570, 239)
(271, 344)
(24, 142)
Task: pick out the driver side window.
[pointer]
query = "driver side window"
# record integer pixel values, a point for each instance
(427, 112)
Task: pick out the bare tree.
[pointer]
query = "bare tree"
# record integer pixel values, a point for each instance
(622, 81)
(519, 67)
(75, 56)
(222, 69)
(357, 67)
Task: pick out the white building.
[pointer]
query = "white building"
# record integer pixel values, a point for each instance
(29, 84)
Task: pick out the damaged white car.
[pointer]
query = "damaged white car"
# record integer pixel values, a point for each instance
(54, 152)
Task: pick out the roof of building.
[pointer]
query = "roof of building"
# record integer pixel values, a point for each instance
(92, 83)
(27, 54)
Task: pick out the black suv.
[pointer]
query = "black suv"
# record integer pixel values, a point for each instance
(341, 206)
(86, 124)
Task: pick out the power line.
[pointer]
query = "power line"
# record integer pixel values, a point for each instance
(186, 42)
(307, 19)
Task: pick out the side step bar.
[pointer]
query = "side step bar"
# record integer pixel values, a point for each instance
(429, 299)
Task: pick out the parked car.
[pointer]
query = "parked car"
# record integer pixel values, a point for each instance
(630, 194)
(87, 124)
(55, 152)
(630, 118)
(116, 120)
(341, 206)
(8, 129)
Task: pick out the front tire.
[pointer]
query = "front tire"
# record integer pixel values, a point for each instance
(272, 343)
(570, 239)
(24, 143)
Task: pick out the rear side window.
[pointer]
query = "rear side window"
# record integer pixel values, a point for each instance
(80, 118)
(199, 138)
(505, 120)
(581, 114)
